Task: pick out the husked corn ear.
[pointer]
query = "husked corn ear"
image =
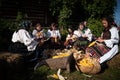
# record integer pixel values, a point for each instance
(85, 62)
(91, 44)
(55, 76)
(61, 55)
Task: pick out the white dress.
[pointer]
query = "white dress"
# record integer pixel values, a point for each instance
(111, 43)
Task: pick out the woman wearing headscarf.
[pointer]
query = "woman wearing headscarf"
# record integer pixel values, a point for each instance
(22, 40)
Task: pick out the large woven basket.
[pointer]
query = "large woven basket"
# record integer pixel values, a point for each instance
(94, 69)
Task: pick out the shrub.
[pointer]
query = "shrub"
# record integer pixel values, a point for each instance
(95, 26)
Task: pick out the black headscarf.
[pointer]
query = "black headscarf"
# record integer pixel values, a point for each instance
(24, 25)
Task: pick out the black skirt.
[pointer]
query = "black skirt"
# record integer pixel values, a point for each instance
(18, 47)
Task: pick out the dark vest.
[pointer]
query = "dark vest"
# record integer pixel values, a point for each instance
(106, 34)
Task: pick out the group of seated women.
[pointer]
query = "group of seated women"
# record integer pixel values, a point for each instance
(79, 38)
(23, 41)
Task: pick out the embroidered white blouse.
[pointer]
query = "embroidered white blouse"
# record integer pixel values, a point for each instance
(40, 36)
(87, 33)
(23, 36)
(113, 44)
(53, 33)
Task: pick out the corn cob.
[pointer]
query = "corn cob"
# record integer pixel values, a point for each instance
(91, 44)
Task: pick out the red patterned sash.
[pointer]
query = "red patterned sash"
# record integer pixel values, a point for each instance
(98, 50)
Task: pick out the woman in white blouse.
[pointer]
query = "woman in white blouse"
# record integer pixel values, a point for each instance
(110, 38)
(83, 32)
(54, 34)
(84, 36)
(23, 42)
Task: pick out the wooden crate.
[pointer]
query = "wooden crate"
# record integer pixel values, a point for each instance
(63, 63)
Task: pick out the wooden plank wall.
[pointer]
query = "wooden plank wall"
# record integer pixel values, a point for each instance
(35, 10)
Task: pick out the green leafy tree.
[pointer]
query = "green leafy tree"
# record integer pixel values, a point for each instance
(62, 9)
(95, 26)
(93, 9)
(98, 8)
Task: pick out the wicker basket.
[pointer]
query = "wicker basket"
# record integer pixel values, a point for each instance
(94, 69)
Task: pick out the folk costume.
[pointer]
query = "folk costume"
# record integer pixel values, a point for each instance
(23, 42)
(109, 47)
(38, 34)
(54, 38)
(82, 41)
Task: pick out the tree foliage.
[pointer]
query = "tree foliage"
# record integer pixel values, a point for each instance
(95, 26)
(93, 11)
(63, 9)
(98, 8)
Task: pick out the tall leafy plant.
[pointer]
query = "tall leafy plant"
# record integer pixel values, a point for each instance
(98, 8)
(95, 26)
(62, 9)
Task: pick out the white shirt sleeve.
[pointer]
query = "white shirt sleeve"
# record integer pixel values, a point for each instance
(58, 34)
(27, 39)
(68, 37)
(88, 34)
(15, 37)
(34, 33)
(77, 33)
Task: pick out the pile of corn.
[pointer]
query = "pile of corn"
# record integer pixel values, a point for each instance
(89, 65)
(86, 62)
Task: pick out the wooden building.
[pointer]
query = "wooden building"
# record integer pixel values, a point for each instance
(35, 10)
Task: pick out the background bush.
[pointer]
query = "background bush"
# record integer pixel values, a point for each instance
(95, 26)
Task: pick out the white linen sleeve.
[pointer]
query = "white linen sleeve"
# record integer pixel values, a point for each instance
(27, 39)
(34, 33)
(89, 34)
(58, 34)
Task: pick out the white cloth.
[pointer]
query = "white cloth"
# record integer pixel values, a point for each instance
(23, 36)
(53, 33)
(112, 43)
(78, 33)
(87, 33)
